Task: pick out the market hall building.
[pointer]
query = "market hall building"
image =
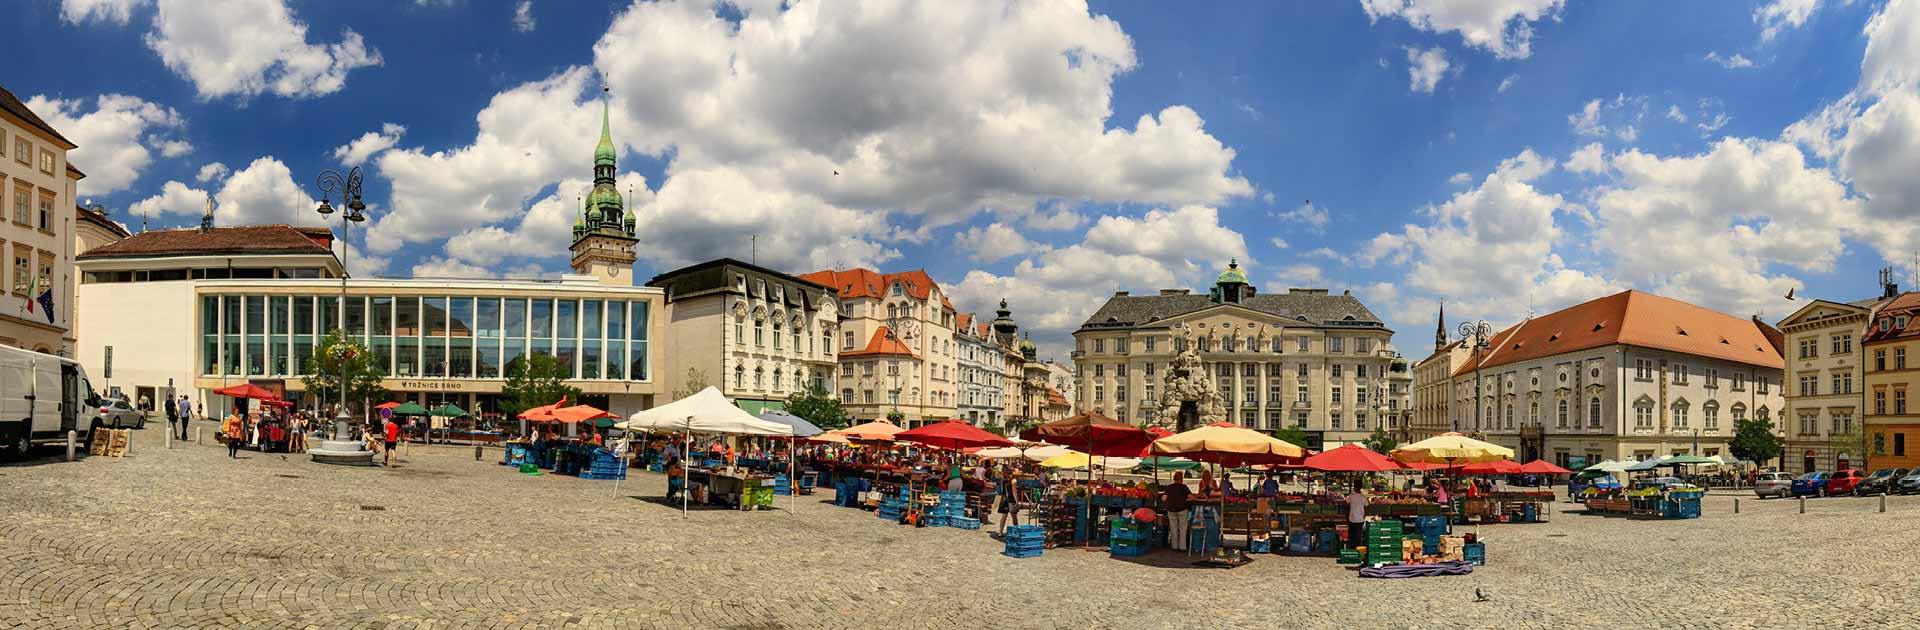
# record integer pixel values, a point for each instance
(188, 311)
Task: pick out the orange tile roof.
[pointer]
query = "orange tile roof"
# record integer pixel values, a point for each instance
(1632, 318)
(1054, 397)
(880, 345)
(965, 320)
(862, 283)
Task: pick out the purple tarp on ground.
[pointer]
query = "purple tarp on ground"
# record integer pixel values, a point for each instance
(1417, 570)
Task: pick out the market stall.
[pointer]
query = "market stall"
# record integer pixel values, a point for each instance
(1226, 445)
(709, 412)
(1092, 434)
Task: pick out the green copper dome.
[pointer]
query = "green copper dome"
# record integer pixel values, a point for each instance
(603, 197)
(1233, 274)
(604, 153)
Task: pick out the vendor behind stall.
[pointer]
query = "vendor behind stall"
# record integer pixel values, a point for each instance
(1174, 497)
(1356, 517)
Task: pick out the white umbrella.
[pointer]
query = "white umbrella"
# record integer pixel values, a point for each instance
(1004, 452)
(1046, 452)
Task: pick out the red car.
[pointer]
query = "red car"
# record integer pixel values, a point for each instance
(1843, 481)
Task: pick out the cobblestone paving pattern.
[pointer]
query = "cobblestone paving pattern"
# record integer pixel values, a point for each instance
(189, 539)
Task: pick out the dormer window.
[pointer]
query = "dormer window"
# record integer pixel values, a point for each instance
(1900, 322)
(896, 289)
(1886, 325)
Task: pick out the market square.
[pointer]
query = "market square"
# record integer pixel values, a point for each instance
(185, 538)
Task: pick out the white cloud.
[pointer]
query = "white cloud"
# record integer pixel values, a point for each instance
(1461, 177)
(1503, 27)
(174, 198)
(116, 139)
(523, 16)
(1506, 84)
(367, 145)
(211, 172)
(995, 242)
(1425, 67)
(1053, 291)
(248, 47)
(1280, 243)
(1674, 114)
(1618, 116)
(1780, 15)
(1710, 125)
(1586, 122)
(1730, 62)
(544, 231)
(1312, 216)
(174, 148)
(109, 11)
(995, 107)
(1299, 275)
(1590, 159)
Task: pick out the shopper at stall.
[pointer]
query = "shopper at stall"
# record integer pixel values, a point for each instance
(393, 440)
(675, 469)
(1271, 487)
(1207, 486)
(956, 476)
(1356, 516)
(1174, 497)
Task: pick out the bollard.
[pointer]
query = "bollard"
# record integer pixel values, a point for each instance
(169, 438)
(1803, 505)
(1883, 504)
(196, 435)
(72, 437)
(1736, 505)
(476, 456)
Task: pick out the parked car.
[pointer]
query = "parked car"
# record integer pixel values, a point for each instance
(1810, 484)
(1908, 484)
(1880, 482)
(1773, 484)
(1843, 481)
(116, 413)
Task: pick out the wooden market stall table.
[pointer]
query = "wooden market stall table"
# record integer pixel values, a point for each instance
(1647, 503)
(731, 487)
(1505, 506)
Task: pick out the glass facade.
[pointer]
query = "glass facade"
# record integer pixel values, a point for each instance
(444, 336)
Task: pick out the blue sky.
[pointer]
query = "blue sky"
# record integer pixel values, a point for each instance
(1503, 155)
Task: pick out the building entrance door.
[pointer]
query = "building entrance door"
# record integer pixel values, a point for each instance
(1807, 463)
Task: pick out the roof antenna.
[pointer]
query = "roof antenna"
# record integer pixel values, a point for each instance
(753, 250)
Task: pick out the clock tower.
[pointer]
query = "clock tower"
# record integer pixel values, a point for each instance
(603, 238)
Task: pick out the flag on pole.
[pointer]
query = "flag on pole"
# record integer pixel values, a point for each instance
(41, 295)
(33, 289)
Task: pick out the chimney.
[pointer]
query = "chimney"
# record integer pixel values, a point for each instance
(1173, 292)
(1888, 288)
(1119, 294)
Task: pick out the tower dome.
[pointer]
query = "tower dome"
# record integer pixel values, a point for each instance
(1233, 274)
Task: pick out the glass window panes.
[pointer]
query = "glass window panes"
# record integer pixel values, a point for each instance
(303, 315)
(460, 357)
(541, 319)
(210, 334)
(616, 321)
(406, 318)
(564, 314)
(357, 315)
(590, 357)
(279, 314)
(435, 313)
(487, 358)
(230, 314)
(616, 357)
(328, 312)
(515, 318)
(514, 350)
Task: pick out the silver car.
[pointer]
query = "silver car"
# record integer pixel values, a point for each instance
(1773, 484)
(116, 413)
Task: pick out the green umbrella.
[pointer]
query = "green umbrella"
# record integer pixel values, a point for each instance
(1687, 459)
(409, 408)
(1169, 463)
(449, 411)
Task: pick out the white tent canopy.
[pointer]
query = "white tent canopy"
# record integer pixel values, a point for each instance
(1610, 466)
(1045, 452)
(1004, 452)
(706, 412)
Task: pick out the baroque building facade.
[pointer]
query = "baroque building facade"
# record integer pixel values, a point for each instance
(1826, 385)
(758, 335)
(37, 188)
(1892, 346)
(1304, 358)
(896, 346)
(1628, 376)
(987, 365)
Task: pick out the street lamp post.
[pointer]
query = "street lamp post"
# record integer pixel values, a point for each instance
(1479, 332)
(900, 329)
(339, 450)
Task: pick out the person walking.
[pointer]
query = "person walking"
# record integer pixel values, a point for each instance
(186, 415)
(173, 413)
(235, 428)
(393, 439)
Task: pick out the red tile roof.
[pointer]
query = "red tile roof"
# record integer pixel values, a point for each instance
(880, 345)
(1632, 318)
(1907, 304)
(965, 320)
(863, 283)
(250, 239)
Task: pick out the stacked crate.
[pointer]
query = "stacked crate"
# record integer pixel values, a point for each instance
(892, 507)
(1383, 541)
(1431, 528)
(950, 511)
(604, 464)
(1128, 537)
(1025, 541)
(782, 486)
(1475, 553)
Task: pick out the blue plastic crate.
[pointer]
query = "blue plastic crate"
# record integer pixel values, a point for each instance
(1131, 551)
(963, 522)
(1023, 554)
(936, 521)
(1260, 546)
(1475, 553)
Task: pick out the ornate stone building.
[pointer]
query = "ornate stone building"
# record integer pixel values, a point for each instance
(1304, 357)
(896, 345)
(1892, 346)
(987, 364)
(1632, 375)
(757, 334)
(1826, 385)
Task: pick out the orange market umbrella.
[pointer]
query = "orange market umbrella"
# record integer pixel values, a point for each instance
(876, 430)
(1541, 467)
(246, 390)
(1352, 458)
(578, 413)
(386, 405)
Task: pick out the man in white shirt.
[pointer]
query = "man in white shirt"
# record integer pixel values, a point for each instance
(1356, 517)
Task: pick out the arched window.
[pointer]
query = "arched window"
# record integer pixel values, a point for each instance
(776, 334)
(757, 374)
(739, 376)
(1561, 421)
(1509, 423)
(1680, 415)
(776, 379)
(1533, 413)
(1593, 412)
(759, 333)
(892, 311)
(740, 329)
(846, 396)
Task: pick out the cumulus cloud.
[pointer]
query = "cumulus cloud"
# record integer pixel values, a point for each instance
(994, 242)
(107, 11)
(1590, 159)
(843, 128)
(1502, 27)
(1280, 243)
(1506, 84)
(1780, 15)
(1459, 178)
(523, 16)
(1298, 275)
(248, 47)
(1730, 62)
(213, 171)
(117, 138)
(174, 198)
(360, 149)
(1425, 67)
(1307, 214)
(1619, 116)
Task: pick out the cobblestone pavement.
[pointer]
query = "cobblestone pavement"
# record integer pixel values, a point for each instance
(186, 538)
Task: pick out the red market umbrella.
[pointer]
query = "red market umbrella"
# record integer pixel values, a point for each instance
(278, 403)
(1501, 467)
(1351, 458)
(1424, 466)
(246, 390)
(386, 405)
(1093, 434)
(1541, 467)
(952, 434)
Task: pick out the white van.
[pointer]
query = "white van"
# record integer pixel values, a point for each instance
(42, 397)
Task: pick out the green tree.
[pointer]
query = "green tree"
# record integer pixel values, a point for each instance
(815, 405)
(1291, 435)
(1380, 441)
(363, 371)
(696, 381)
(896, 416)
(1754, 441)
(535, 381)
